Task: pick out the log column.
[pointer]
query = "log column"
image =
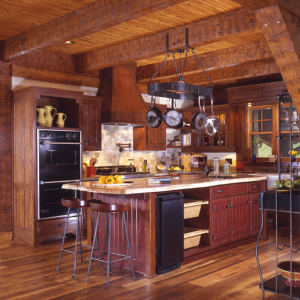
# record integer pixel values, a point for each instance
(5, 152)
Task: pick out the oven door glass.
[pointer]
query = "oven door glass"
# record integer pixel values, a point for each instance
(59, 161)
(50, 195)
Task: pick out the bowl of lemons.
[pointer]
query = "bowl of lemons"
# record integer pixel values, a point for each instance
(175, 171)
(111, 179)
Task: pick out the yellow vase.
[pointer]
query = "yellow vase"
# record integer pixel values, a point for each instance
(61, 117)
(49, 116)
(41, 118)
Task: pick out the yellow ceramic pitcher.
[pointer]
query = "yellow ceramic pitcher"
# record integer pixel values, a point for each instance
(61, 117)
(41, 118)
(49, 116)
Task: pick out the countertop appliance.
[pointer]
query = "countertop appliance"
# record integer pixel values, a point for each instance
(198, 161)
(58, 162)
(125, 171)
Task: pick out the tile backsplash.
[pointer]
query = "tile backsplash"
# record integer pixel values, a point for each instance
(110, 155)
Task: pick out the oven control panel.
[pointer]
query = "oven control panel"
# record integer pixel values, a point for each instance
(62, 136)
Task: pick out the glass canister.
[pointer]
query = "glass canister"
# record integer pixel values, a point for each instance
(226, 168)
(216, 164)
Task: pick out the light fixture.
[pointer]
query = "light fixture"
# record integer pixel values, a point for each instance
(249, 104)
(69, 42)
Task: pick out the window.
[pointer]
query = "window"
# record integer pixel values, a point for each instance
(263, 130)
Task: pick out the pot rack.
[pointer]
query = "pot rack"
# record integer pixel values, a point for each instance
(179, 90)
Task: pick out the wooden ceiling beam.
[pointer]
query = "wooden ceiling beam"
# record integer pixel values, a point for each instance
(237, 23)
(282, 32)
(241, 71)
(291, 5)
(213, 60)
(87, 20)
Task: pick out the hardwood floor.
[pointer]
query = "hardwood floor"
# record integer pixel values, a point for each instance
(29, 273)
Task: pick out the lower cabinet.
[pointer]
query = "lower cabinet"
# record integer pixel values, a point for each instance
(219, 223)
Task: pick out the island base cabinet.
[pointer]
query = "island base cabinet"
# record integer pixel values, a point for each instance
(239, 217)
(255, 213)
(220, 221)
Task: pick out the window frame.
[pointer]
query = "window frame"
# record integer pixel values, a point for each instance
(274, 133)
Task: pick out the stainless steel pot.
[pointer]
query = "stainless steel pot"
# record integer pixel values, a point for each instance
(212, 122)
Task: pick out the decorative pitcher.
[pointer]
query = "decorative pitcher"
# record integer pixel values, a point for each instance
(61, 117)
(41, 118)
(49, 116)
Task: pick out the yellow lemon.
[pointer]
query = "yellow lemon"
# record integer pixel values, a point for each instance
(102, 179)
(177, 168)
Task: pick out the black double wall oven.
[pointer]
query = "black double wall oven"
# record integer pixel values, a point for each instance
(59, 162)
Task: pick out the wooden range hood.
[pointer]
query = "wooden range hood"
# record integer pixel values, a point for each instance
(122, 100)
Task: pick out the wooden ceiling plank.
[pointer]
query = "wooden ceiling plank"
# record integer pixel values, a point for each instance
(216, 59)
(282, 32)
(200, 33)
(87, 20)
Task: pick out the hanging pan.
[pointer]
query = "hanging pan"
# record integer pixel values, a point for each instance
(154, 115)
(173, 117)
(212, 122)
(199, 118)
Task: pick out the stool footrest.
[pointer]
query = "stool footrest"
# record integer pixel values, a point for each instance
(105, 261)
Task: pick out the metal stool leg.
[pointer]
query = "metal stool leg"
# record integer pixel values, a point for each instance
(78, 226)
(92, 250)
(128, 245)
(63, 241)
(75, 255)
(107, 234)
(93, 222)
(108, 258)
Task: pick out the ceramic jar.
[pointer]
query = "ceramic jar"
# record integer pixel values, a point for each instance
(61, 117)
(41, 118)
(49, 116)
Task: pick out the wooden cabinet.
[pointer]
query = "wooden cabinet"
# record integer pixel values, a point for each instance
(26, 225)
(224, 139)
(146, 138)
(91, 123)
(235, 212)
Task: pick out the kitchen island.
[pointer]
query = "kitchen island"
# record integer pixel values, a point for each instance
(231, 215)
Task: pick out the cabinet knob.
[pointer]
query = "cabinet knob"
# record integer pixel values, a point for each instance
(256, 186)
(85, 141)
(227, 205)
(248, 202)
(220, 191)
(257, 200)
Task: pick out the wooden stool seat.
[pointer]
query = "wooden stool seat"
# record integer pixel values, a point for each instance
(99, 206)
(74, 203)
(108, 209)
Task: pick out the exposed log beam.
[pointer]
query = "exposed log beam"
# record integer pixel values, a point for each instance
(213, 60)
(237, 23)
(53, 76)
(87, 20)
(282, 32)
(240, 71)
(291, 5)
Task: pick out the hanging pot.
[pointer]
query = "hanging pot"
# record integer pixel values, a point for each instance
(199, 118)
(173, 117)
(154, 115)
(212, 122)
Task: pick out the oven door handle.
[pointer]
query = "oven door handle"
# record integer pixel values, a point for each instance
(58, 143)
(45, 182)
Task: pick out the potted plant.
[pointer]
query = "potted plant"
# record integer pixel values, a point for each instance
(293, 153)
(255, 143)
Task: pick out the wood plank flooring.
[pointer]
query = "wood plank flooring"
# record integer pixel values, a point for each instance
(29, 273)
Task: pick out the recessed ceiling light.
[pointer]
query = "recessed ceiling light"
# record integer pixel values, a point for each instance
(249, 104)
(69, 42)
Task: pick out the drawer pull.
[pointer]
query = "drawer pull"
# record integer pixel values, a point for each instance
(227, 205)
(248, 202)
(59, 225)
(256, 186)
(220, 191)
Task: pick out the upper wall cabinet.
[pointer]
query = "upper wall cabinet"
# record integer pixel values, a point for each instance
(146, 138)
(91, 123)
(225, 138)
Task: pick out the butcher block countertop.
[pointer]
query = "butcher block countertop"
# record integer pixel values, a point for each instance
(141, 185)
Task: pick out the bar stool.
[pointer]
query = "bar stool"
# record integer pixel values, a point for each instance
(71, 202)
(101, 207)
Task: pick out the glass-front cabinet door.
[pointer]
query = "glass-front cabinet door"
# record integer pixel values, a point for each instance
(217, 142)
